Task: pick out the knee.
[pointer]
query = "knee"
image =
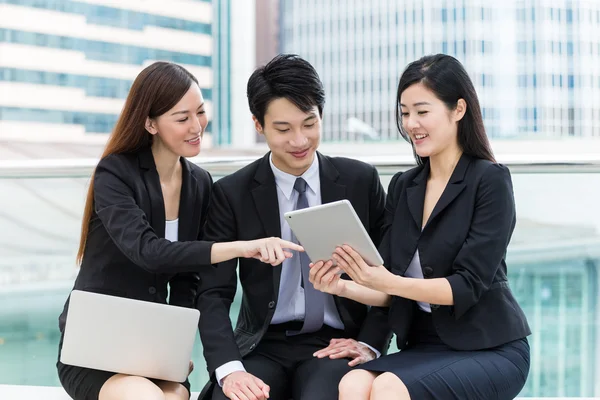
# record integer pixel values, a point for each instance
(151, 393)
(144, 389)
(355, 382)
(388, 383)
(174, 391)
(130, 388)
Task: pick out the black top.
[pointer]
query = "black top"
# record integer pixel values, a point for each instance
(465, 240)
(245, 207)
(126, 253)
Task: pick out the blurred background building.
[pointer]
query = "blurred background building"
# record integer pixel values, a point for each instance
(66, 66)
(535, 64)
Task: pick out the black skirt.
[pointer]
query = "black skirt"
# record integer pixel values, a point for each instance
(432, 370)
(85, 383)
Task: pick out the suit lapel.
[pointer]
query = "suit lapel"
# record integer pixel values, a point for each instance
(328, 175)
(152, 182)
(416, 196)
(189, 208)
(266, 202)
(454, 187)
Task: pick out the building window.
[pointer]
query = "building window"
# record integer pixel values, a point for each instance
(103, 51)
(116, 17)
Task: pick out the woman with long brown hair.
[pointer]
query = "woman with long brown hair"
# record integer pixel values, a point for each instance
(143, 218)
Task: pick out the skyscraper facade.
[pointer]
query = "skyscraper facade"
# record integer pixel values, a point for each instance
(535, 64)
(66, 66)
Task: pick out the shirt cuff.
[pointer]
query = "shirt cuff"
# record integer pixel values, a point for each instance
(377, 353)
(228, 368)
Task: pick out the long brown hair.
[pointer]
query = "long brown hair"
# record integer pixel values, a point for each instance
(156, 90)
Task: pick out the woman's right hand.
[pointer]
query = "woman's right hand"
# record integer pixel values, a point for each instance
(325, 278)
(271, 250)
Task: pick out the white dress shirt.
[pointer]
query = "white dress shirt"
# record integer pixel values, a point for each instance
(172, 230)
(414, 271)
(290, 304)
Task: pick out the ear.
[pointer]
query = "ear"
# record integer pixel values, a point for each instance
(257, 125)
(150, 126)
(460, 110)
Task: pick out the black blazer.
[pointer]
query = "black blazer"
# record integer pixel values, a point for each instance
(465, 240)
(245, 207)
(125, 253)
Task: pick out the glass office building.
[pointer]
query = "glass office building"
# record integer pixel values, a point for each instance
(535, 64)
(66, 66)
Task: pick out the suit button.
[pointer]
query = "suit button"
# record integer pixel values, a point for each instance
(434, 306)
(253, 346)
(271, 304)
(427, 272)
(152, 290)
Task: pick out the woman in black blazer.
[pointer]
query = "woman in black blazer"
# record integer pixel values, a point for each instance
(461, 333)
(143, 220)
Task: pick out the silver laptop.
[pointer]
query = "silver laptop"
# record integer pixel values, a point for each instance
(128, 336)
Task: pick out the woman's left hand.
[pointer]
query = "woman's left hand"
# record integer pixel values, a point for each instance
(373, 277)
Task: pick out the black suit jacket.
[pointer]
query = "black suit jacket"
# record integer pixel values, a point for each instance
(464, 240)
(125, 253)
(245, 207)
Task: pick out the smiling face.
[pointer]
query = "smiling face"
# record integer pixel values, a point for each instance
(292, 135)
(431, 126)
(180, 129)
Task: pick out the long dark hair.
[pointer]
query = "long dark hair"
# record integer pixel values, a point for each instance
(156, 90)
(447, 79)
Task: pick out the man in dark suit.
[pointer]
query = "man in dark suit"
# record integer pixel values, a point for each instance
(290, 340)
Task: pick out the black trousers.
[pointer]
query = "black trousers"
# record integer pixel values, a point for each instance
(287, 365)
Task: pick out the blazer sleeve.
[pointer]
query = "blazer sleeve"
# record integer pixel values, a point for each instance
(376, 208)
(128, 227)
(485, 246)
(217, 289)
(184, 286)
(376, 330)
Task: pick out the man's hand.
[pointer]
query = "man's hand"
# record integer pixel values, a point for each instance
(347, 348)
(241, 385)
(325, 278)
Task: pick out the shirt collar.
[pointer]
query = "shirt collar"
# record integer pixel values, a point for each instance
(285, 182)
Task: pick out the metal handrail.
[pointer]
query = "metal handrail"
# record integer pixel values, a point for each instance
(219, 166)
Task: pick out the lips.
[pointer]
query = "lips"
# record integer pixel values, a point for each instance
(419, 138)
(193, 141)
(299, 154)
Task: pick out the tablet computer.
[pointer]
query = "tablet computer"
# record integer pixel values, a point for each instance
(322, 228)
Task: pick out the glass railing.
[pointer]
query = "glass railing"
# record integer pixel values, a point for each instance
(554, 266)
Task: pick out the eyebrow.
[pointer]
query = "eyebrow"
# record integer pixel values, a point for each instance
(287, 123)
(186, 111)
(421, 103)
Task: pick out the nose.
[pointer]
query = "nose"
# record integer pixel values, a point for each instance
(298, 139)
(410, 123)
(198, 123)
